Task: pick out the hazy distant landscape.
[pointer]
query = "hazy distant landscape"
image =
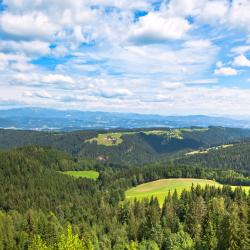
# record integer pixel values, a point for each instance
(70, 120)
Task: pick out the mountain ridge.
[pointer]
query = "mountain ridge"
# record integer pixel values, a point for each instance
(70, 120)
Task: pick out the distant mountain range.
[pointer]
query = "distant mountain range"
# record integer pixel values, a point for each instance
(69, 120)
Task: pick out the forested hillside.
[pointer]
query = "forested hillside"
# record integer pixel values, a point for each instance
(125, 147)
(236, 157)
(40, 208)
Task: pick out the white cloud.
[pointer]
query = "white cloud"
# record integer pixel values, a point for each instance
(219, 64)
(203, 81)
(109, 58)
(231, 14)
(55, 78)
(198, 44)
(187, 100)
(113, 93)
(27, 26)
(154, 28)
(239, 14)
(172, 85)
(226, 71)
(241, 49)
(41, 94)
(8, 61)
(214, 11)
(42, 79)
(241, 61)
(32, 48)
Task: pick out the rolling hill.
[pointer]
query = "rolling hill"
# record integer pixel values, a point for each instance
(125, 147)
(235, 156)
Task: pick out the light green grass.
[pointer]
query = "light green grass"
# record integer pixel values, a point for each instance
(205, 151)
(115, 139)
(173, 133)
(84, 174)
(160, 188)
(109, 139)
(197, 152)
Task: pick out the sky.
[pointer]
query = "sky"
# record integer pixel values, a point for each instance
(170, 57)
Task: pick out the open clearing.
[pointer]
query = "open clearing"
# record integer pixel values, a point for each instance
(109, 139)
(84, 174)
(114, 139)
(205, 151)
(160, 188)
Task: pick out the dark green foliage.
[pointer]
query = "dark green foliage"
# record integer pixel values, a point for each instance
(236, 157)
(41, 207)
(136, 148)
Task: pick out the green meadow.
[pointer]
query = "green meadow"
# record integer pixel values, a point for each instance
(108, 139)
(160, 188)
(207, 150)
(115, 139)
(84, 174)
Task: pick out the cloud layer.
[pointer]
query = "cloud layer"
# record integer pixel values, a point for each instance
(167, 57)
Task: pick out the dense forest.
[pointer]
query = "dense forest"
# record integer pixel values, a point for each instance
(40, 208)
(235, 157)
(138, 146)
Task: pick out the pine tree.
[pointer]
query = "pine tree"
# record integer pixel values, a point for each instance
(38, 244)
(69, 241)
(209, 239)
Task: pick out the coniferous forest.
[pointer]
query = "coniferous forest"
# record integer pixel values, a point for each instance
(41, 208)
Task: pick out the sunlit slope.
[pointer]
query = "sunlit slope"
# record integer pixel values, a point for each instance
(84, 174)
(160, 188)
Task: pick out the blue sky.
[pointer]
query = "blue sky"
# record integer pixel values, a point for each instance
(174, 57)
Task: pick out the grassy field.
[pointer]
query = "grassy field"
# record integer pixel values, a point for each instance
(160, 188)
(109, 139)
(85, 174)
(114, 139)
(173, 133)
(205, 151)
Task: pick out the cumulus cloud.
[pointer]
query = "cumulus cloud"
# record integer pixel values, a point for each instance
(31, 48)
(125, 54)
(241, 61)
(194, 100)
(27, 26)
(226, 71)
(40, 79)
(230, 14)
(214, 11)
(11, 61)
(241, 49)
(42, 94)
(113, 93)
(155, 28)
